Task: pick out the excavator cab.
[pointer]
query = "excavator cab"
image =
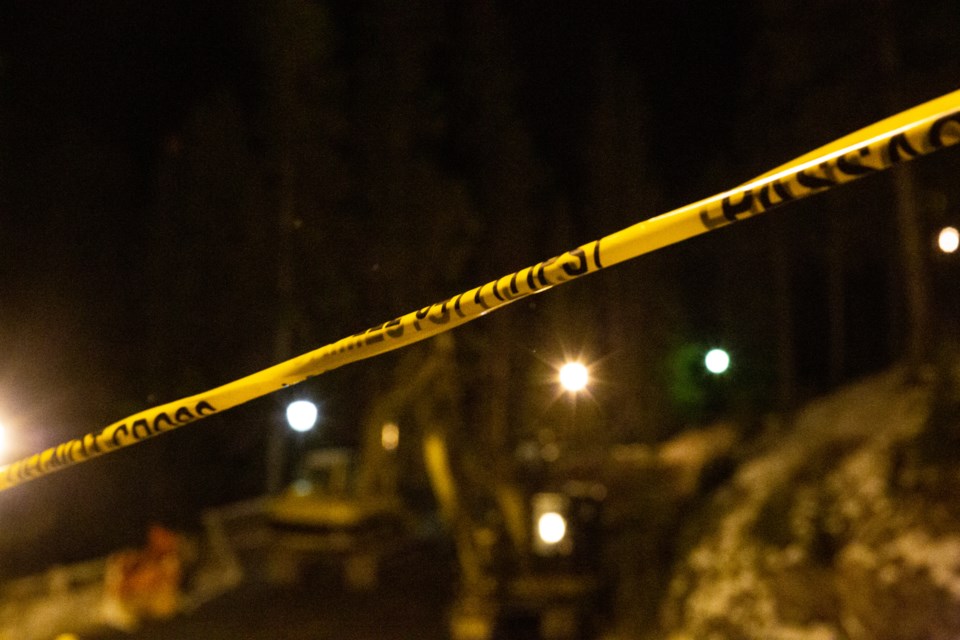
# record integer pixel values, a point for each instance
(533, 561)
(321, 517)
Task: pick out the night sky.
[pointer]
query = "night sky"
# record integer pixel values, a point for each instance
(139, 181)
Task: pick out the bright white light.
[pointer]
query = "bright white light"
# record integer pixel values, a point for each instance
(717, 361)
(574, 376)
(301, 415)
(551, 527)
(390, 436)
(4, 443)
(949, 239)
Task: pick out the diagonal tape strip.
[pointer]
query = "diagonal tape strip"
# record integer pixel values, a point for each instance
(905, 136)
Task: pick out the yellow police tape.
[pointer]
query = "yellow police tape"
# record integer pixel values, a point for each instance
(908, 135)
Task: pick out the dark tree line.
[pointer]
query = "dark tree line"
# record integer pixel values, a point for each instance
(190, 192)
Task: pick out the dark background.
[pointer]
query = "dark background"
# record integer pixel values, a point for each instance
(192, 191)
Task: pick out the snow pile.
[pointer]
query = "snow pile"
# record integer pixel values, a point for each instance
(44, 606)
(845, 529)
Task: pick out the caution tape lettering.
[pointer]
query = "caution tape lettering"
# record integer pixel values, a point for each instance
(870, 158)
(103, 441)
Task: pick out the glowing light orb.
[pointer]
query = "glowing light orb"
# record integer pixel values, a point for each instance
(390, 436)
(551, 527)
(574, 376)
(301, 415)
(717, 361)
(949, 239)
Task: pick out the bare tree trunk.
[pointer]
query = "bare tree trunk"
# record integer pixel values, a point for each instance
(915, 282)
(783, 304)
(498, 386)
(836, 303)
(280, 187)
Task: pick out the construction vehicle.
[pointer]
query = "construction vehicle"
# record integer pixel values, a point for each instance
(527, 545)
(322, 518)
(344, 507)
(526, 552)
(530, 559)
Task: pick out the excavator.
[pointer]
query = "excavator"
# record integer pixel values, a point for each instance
(525, 554)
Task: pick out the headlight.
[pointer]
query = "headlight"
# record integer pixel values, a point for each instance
(551, 527)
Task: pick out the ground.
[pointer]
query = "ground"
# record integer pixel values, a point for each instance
(410, 602)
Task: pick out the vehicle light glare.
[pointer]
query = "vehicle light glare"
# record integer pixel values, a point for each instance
(949, 239)
(574, 376)
(390, 436)
(551, 527)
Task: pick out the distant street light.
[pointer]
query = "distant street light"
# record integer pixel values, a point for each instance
(717, 361)
(574, 377)
(948, 240)
(302, 415)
